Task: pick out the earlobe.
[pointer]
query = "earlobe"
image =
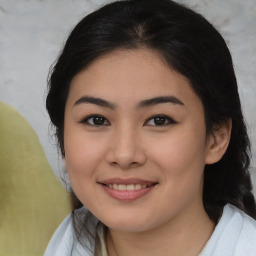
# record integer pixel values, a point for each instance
(218, 142)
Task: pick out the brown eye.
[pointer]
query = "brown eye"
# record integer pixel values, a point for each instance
(160, 120)
(96, 120)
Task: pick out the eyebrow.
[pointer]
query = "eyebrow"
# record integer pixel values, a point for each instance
(142, 104)
(160, 100)
(96, 101)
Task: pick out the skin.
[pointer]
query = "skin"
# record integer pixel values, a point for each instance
(170, 219)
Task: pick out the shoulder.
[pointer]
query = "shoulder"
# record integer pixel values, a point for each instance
(63, 242)
(234, 235)
(246, 230)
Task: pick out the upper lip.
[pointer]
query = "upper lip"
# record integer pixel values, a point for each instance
(127, 181)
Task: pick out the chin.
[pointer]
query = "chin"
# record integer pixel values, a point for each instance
(128, 224)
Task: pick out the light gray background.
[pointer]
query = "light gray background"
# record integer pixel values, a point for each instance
(33, 31)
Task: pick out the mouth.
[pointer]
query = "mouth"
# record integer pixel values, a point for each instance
(128, 187)
(127, 190)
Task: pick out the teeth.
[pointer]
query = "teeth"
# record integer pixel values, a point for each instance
(129, 187)
(121, 187)
(138, 186)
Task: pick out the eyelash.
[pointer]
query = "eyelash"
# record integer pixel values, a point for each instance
(86, 120)
(167, 119)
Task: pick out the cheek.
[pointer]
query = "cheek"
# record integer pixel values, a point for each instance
(180, 157)
(82, 157)
(82, 154)
(182, 152)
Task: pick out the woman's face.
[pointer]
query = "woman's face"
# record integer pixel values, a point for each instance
(135, 141)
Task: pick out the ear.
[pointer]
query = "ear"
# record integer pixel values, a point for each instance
(218, 142)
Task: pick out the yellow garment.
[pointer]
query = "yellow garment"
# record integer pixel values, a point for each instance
(32, 200)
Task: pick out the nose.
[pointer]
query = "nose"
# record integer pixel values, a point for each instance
(126, 149)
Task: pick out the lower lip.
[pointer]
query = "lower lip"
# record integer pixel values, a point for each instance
(125, 195)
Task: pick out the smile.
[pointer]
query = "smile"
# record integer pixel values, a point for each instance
(127, 190)
(129, 187)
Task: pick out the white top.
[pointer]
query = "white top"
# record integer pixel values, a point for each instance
(234, 235)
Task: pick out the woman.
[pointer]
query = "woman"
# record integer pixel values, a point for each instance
(148, 119)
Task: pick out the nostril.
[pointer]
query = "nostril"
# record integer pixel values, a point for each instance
(133, 164)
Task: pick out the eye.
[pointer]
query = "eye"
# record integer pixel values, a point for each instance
(160, 120)
(95, 120)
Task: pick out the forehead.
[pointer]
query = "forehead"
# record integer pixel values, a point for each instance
(130, 75)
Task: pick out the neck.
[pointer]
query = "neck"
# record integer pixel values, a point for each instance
(184, 235)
